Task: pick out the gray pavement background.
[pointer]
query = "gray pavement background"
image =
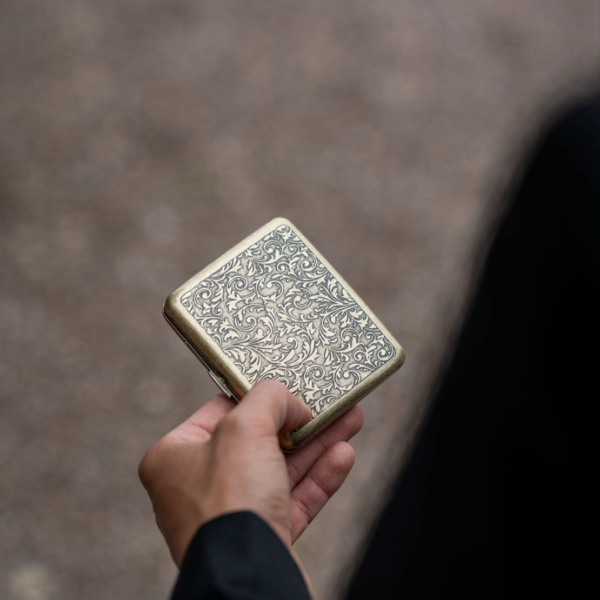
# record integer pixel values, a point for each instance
(139, 140)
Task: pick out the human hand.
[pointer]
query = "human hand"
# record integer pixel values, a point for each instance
(226, 458)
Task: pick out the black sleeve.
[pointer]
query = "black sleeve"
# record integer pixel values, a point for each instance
(497, 499)
(238, 557)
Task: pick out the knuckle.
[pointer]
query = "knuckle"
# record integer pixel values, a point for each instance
(144, 469)
(148, 465)
(243, 423)
(347, 457)
(321, 488)
(305, 510)
(260, 423)
(231, 423)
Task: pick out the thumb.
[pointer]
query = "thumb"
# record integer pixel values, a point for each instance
(273, 398)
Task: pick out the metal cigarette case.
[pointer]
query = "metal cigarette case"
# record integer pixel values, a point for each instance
(274, 308)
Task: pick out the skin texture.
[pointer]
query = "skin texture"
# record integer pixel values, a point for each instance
(226, 458)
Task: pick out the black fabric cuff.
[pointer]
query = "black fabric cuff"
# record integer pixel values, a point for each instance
(238, 557)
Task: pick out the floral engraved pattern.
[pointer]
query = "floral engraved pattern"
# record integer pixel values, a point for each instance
(278, 313)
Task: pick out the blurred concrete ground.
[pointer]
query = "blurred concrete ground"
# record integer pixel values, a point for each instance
(139, 140)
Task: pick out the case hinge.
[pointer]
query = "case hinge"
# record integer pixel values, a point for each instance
(221, 384)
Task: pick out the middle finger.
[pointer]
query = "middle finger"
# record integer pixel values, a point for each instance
(347, 426)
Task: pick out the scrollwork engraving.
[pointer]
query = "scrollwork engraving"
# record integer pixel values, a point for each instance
(278, 313)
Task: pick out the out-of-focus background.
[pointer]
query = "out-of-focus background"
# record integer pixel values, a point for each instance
(140, 140)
